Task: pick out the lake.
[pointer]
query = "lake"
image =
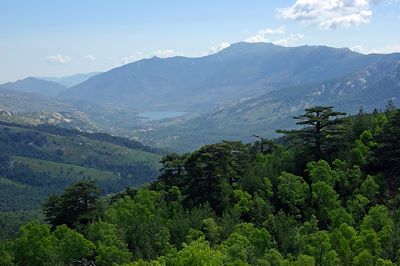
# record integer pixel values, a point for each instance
(149, 116)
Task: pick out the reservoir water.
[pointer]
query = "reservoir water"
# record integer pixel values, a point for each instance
(149, 116)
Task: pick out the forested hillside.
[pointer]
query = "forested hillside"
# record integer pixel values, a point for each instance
(37, 161)
(325, 194)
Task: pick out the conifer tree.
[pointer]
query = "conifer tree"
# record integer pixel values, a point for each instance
(322, 130)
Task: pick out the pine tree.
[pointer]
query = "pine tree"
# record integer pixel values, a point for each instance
(322, 130)
(75, 207)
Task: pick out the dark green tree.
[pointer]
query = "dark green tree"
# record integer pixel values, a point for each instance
(322, 130)
(172, 170)
(76, 207)
(387, 154)
(213, 171)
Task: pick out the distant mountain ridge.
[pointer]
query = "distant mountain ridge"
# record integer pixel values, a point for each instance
(198, 84)
(47, 86)
(72, 80)
(35, 85)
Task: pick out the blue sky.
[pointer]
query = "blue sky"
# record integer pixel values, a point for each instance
(59, 38)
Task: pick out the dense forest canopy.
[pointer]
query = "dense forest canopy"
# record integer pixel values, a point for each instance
(325, 194)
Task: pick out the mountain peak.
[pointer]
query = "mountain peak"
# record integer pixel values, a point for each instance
(247, 47)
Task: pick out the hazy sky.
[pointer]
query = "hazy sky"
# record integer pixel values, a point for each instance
(64, 37)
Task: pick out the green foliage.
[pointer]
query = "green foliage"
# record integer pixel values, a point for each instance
(363, 259)
(110, 246)
(242, 202)
(71, 246)
(229, 204)
(36, 245)
(322, 131)
(321, 172)
(211, 230)
(325, 199)
(387, 154)
(292, 192)
(361, 153)
(246, 244)
(369, 188)
(76, 207)
(5, 258)
(141, 220)
(349, 178)
(196, 253)
(212, 172)
(343, 241)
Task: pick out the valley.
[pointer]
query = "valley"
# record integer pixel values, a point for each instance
(182, 103)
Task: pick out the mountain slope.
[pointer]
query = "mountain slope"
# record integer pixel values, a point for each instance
(36, 161)
(370, 87)
(70, 81)
(35, 85)
(198, 84)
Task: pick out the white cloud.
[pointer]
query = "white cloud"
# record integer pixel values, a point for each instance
(217, 48)
(58, 59)
(271, 35)
(140, 55)
(383, 50)
(330, 14)
(131, 58)
(289, 40)
(263, 35)
(90, 58)
(166, 53)
(359, 49)
(391, 49)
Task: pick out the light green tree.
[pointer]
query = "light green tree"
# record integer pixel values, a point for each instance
(196, 253)
(321, 171)
(293, 192)
(325, 199)
(110, 247)
(35, 246)
(71, 245)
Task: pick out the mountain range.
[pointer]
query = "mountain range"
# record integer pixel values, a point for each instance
(35, 85)
(72, 80)
(247, 88)
(199, 84)
(369, 88)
